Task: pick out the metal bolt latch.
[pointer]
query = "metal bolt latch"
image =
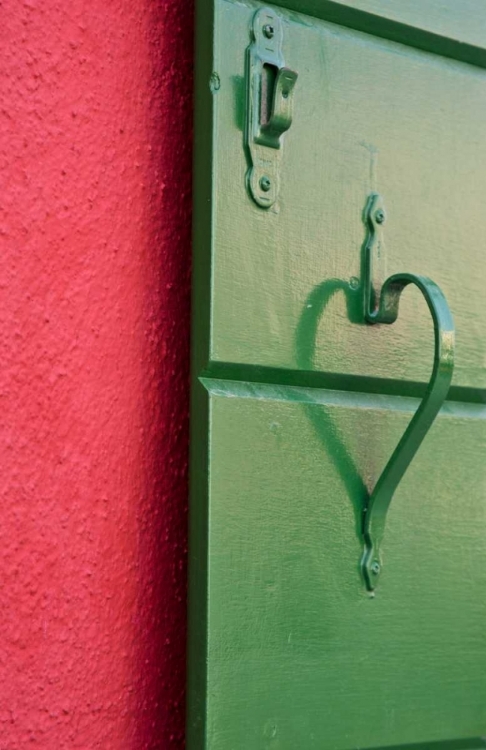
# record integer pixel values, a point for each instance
(270, 99)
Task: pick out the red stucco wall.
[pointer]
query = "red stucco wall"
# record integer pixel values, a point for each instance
(95, 145)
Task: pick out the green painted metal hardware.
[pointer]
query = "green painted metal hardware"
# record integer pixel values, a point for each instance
(270, 97)
(381, 301)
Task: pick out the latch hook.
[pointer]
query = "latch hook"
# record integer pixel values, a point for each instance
(280, 118)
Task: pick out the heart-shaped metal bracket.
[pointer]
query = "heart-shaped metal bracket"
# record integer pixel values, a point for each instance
(381, 306)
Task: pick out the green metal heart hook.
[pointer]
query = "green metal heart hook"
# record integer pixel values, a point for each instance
(381, 306)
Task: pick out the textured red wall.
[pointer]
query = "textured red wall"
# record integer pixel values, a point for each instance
(95, 145)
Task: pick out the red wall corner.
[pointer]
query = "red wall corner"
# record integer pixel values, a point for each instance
(95, 150)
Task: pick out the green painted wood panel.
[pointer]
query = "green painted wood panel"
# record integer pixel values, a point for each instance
(463, 21)
(446, 27)
(299, 654)
(369, 115)
(297, 404)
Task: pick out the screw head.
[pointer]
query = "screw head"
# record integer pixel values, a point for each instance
(375, 567)
(265, 183)
(268, 30)
(380, 216)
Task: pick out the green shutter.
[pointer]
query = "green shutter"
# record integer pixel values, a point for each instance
(298, 402)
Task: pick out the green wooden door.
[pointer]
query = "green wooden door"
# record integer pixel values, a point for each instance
(298, 403)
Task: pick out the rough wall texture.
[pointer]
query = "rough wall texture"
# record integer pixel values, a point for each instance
(95, 140)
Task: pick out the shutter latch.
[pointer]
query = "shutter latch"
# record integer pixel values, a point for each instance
(270, 96)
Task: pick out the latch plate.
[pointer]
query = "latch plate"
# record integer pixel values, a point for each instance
(270, 98)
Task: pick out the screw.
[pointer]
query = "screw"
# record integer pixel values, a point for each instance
(265, 184)
(380, 216)
(268, 30)
(375, 567)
